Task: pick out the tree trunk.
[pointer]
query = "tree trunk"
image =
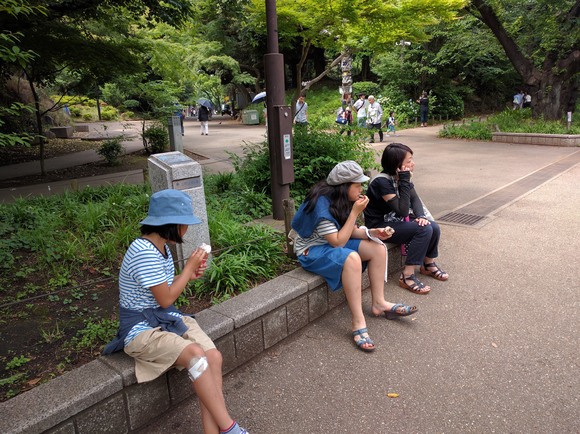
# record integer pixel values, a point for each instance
(38, 115)
(365, 68)
(553, 86)
(99, 109)
(299, 65)
(553, 97)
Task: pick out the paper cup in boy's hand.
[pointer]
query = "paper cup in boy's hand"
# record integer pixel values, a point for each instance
(207, 249)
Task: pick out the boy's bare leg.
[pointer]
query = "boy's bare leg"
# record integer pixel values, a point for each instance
(208, 390)
(215, 370)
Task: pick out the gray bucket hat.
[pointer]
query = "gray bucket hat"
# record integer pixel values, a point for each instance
(170, 207)
(346, 171)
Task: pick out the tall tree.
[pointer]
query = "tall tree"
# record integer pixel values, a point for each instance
(541, 38)
(342, 27)
(80, 37)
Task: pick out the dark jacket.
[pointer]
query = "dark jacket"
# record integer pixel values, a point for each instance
(203, 114)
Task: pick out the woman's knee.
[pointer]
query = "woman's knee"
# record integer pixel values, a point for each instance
(426, 231)
(353, 263)
(436, 230)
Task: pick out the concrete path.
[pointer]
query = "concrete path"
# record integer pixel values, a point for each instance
(494, 349)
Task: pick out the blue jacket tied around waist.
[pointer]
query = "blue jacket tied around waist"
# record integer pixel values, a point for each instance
(159, 317)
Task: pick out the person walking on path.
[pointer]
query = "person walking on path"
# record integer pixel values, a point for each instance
(394, 201)
(391, 123)
(374, 118)
(361, 110)
(152, 330)
(203, 117)
(423, 102)
(301, 116)
(329, 243)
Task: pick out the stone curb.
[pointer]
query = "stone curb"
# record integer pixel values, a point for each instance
(537, 139)
(103, 395)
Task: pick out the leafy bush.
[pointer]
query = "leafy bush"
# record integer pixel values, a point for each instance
(156, 138)
(75, 111)
(447, 104)
(472, 130)
(316, 152)
(127, 115)
(368, 87)
(108, 113)
(112, 94)
(111, 150)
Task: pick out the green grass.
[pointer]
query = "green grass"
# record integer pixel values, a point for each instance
(508, 121)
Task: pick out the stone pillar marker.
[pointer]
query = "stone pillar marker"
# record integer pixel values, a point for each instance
(178, 171)
(174, 129)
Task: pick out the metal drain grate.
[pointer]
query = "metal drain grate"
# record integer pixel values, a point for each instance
(461, 219)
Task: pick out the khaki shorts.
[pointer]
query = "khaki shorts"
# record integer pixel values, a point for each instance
(156, 351)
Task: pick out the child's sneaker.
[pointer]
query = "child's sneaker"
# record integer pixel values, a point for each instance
(235, 429)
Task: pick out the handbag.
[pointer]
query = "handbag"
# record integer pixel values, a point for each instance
(341, 120)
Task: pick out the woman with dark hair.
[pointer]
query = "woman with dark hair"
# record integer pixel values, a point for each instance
(394, 201)
(151, 329)
(329, 243)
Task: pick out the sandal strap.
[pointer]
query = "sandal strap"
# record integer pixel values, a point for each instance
(438, 271)
(414, 278)
(360, 332)
(406, 308)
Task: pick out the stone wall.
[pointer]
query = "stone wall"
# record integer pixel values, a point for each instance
(537, 139)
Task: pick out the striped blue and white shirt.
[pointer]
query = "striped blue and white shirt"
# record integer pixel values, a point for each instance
(325, 227)
(143, 266)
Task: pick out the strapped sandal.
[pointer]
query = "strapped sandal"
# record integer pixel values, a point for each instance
(363, 340)
(398, 310)
(418, 287)
(438, 273)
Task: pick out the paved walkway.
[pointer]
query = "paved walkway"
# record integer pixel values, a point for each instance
(494, 349)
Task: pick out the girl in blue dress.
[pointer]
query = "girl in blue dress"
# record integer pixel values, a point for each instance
(331, 244)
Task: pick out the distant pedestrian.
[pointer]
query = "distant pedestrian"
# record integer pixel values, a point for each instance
(374, 118)
(518, 100)
(527, 100)
(345, 112)
(423, 102)
(203, 117)
(391, 123)
(361, 110)
(301, 116)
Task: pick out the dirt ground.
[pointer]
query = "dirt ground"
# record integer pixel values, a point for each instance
(58, 147)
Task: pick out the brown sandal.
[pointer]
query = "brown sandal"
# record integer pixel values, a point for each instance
(438, 273)
(418, 287)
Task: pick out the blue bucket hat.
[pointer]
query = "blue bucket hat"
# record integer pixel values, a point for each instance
(170, 207)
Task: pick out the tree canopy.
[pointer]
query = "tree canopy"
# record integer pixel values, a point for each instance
(541, 39)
